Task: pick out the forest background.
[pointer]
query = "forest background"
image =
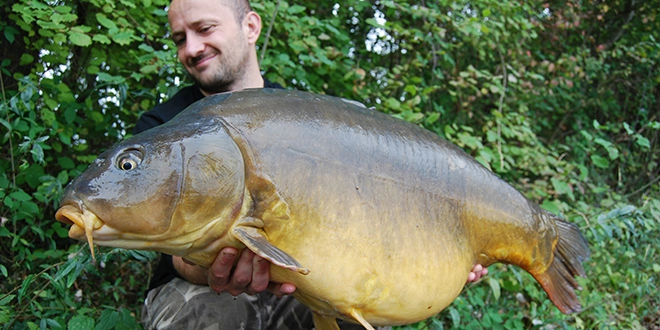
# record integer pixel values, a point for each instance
(558, 98)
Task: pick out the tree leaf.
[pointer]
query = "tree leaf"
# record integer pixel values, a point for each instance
(80, 322)
(10, 33)
(123, 38)
(599, 161)
(102, 39)
(79, 38)
(642, 141)
(20, 196)
(495, 287)
(105, 21)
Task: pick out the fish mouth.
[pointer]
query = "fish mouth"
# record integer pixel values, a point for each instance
(83, 223)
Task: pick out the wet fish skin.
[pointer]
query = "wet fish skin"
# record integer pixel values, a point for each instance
(375, 220)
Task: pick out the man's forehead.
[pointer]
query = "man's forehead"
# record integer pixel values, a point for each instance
(209, 5)
(194, 12)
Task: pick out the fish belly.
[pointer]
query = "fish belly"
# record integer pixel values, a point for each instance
(382, 297)
(391, 273)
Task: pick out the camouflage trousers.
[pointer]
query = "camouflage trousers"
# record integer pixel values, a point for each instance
(182, 305)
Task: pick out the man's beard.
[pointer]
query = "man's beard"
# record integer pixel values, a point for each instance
(223, 78)
(220, 83)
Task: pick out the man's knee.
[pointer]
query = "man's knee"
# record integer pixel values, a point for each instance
(181, 305)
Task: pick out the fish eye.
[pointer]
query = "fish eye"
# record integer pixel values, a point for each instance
(129, 160)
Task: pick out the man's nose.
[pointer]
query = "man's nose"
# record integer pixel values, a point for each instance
(194, 45)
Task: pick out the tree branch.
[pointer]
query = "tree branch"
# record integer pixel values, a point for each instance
(270, 29)
(624, 26)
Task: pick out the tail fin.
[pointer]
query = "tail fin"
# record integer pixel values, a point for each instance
(558, 280)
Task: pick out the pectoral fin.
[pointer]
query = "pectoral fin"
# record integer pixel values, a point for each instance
(250, 234)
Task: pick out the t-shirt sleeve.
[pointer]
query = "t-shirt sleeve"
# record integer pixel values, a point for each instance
(146, 121)
(168, 110)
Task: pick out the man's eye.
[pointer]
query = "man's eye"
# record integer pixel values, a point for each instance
(179, 41)
(205, 29)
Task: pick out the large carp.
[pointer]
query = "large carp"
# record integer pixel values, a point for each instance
(375, 220)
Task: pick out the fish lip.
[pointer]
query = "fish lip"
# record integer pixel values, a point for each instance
(83, 222)
(70, 214)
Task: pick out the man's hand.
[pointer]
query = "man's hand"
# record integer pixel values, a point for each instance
(478, 271)
(250, 274)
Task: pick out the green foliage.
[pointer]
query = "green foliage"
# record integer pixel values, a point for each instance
(559, 98)
(74, 76)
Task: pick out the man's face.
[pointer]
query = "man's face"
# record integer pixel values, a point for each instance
(211, 43)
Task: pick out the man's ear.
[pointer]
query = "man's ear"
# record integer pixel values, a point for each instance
(252, 26)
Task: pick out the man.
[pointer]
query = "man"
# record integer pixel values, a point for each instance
(216, 43)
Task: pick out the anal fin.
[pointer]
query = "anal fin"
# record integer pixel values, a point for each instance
(358, 317)
(324, 322)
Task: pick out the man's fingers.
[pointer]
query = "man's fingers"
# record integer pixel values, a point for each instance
(281, 289)
(243, 272)
(246, 272)
(478, 271)
(260, 275)
(287, 288)
(221, 269)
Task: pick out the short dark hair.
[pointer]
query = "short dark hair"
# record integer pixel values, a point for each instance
(241, 8)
